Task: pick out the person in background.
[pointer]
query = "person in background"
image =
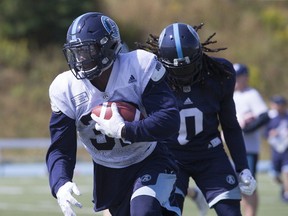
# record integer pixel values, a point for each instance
(276, 133)
(252, 114)
(204, 86)
(134, 172)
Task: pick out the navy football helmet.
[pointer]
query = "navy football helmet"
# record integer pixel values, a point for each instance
(180, 51)
(93, 41)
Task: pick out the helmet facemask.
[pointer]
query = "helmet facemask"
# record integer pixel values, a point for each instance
(88, 60)
(185, 73)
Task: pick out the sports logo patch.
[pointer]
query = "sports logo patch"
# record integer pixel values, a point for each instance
(146, 178)
(158, 73)
(132, 79)
(230, 179)
(80, 99)
(110, 26)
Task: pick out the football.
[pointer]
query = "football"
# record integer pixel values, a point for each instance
(127, 110)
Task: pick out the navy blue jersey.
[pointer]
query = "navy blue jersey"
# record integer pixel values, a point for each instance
(205, 108)
(278, 140)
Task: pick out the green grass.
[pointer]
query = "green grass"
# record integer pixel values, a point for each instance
(31, 196)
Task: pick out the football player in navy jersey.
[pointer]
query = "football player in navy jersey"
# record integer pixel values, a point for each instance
(204, 87)
(276, 133)
(134, 173)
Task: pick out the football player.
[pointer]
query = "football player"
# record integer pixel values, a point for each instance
(134, 174)
(204, 87)
(276, 133)
(252, 114)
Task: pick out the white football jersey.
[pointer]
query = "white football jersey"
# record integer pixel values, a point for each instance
(76, 98)
(249, 103)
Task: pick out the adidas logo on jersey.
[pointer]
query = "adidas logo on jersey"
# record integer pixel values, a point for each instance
(188, 101)
(132, 79)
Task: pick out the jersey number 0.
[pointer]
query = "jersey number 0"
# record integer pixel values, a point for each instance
(190, 117)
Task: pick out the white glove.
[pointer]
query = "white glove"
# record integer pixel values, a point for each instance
(65, 198)
(247, 183)
(111, 127)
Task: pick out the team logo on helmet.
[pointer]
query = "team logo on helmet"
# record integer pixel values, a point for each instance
(110, 26)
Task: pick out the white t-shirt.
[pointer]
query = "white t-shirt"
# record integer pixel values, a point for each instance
(250, 103)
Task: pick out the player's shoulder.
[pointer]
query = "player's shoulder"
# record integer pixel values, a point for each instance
(221, 69)
(227, 65)
(62, 78)
(144, 62)
(142, 56)
(252, 92)
(62, 82)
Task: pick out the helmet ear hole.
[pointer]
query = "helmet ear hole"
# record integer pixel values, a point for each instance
(98, 37)
(180, 49)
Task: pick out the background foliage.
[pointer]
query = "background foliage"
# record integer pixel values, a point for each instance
(32, 34)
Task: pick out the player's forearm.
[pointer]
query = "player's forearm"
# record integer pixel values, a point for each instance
(163, 115)
(257, 123)
(61, 154)
(158, 127)
(60, 165)
(235, 143)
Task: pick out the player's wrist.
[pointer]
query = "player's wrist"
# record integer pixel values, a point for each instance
(123, 135)
(118, 132)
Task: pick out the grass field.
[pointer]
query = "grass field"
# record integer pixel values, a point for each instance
(30, 196)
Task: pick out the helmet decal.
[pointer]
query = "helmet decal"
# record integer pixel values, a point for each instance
(110, 26)
(191, 29)
(74, 28)
(177, 40)
(161, 37)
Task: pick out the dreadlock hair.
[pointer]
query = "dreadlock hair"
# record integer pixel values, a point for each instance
(209, 64)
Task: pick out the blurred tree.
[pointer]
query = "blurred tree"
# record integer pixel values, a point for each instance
(41, 22)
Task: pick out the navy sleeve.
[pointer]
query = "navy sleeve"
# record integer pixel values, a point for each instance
(230, 126)
(257, 123)
(163, 118)
(61, 155)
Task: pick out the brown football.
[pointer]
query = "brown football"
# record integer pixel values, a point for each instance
(128, 111)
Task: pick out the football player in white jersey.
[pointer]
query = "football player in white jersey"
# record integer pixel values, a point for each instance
(134, 173)
(252, 114)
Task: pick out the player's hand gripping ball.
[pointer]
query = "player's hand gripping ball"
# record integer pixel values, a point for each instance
(127, 111)
(110, 117)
